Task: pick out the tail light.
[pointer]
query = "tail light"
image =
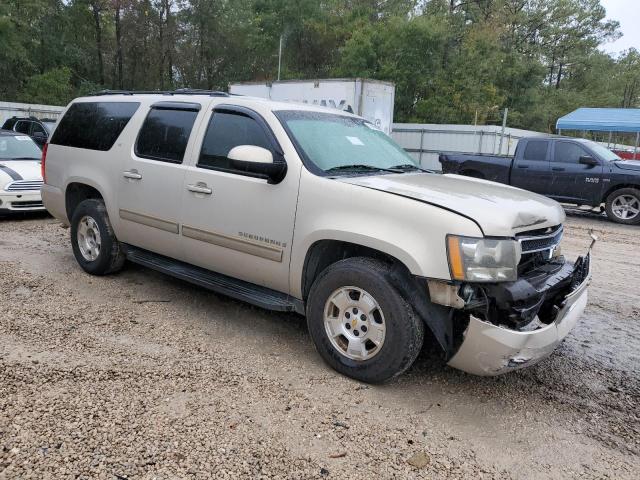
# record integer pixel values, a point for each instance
(43, 171)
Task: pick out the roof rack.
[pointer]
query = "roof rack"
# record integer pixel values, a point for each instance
(180, 91)
(23, 117)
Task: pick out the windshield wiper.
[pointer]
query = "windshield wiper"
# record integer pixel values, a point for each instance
(21, 158)
(411, 166)
(357, 167)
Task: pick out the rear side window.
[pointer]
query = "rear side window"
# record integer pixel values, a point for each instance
(93, 125)
(536, 150)
(37, 128)
(567, 152)
(165, 133)
(226, 131)
(23, 127)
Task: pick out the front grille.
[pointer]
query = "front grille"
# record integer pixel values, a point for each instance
(27, 204)
(538, 249)
(539, 240)
(24, 185)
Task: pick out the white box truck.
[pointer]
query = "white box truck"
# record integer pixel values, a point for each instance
(371, 99)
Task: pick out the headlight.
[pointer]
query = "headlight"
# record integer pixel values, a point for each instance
(483, 259)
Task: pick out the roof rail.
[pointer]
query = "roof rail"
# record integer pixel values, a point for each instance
(180, 91)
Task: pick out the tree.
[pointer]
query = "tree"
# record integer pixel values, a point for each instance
(457, 61)
(53, 87)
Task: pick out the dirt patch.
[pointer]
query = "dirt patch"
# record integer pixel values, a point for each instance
(138, 375)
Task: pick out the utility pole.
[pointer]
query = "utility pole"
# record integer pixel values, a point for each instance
(280, 57)
(504, 126)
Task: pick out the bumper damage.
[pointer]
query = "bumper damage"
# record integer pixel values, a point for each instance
(489, 349)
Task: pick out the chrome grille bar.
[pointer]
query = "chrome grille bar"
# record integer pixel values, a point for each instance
(538, 243)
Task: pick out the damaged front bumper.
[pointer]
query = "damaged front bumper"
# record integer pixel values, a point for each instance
(489, 349)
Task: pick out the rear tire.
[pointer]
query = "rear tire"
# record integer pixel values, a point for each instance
(94, 244)
(361, 326)
(623, 206)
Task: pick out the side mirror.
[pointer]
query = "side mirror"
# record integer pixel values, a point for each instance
(259, 161)
(588, 160)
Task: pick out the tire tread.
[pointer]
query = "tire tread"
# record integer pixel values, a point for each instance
(408, 320)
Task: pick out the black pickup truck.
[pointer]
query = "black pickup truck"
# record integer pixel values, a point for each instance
(569, 170)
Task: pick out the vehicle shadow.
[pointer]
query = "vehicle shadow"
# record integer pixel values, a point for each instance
(20, 216)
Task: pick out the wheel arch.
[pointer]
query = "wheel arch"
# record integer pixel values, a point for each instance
(323, 253)
(470, 172)
(78, 191)
(617, 186)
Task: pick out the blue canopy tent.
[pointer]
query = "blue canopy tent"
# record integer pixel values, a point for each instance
(622, 120)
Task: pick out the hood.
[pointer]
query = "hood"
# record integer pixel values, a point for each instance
(628, 164)
(12, 170)
(498, 209)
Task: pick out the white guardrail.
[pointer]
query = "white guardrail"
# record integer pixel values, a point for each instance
(425, 142)
(11, 109)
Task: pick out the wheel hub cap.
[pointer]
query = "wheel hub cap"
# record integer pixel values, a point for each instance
(626, 207)
(354, 323)
(89, 240)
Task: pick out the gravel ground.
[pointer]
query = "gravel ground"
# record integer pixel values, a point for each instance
(138, 375)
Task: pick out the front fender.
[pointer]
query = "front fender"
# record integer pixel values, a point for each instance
(408, 230)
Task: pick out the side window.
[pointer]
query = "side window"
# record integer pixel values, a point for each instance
(93, 125)
(536, 150)
(23, 127)
(567, 152)
(37, 128)
(227, 130)
(165, 133)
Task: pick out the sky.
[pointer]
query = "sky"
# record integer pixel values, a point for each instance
(627, 12)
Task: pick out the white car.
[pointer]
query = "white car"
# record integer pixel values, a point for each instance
(20, 173)
(299, 208)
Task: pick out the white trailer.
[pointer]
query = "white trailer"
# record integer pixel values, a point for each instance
(371, 99)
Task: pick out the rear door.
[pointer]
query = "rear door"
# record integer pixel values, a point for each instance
(572, 181)
(531, 169)
(151, 178)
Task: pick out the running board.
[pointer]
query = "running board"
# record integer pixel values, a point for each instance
(231, 287)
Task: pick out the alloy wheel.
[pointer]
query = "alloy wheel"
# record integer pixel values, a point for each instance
(626, 207)
(89, 240)
(354, 323)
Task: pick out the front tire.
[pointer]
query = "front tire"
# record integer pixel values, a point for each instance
(359, 323)
(623, 206)
(94, 244)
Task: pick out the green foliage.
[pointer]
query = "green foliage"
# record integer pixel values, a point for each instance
(452, 61)
(52, 87)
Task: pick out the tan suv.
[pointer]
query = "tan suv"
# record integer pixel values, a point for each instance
(310, 210)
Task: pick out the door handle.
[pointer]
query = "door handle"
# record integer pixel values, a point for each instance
(200, 188)
(523, 166)
(132, 174)
(557, 169)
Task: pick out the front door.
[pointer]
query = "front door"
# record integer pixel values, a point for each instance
(572, 181)
(234, 223)
(150, 188)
